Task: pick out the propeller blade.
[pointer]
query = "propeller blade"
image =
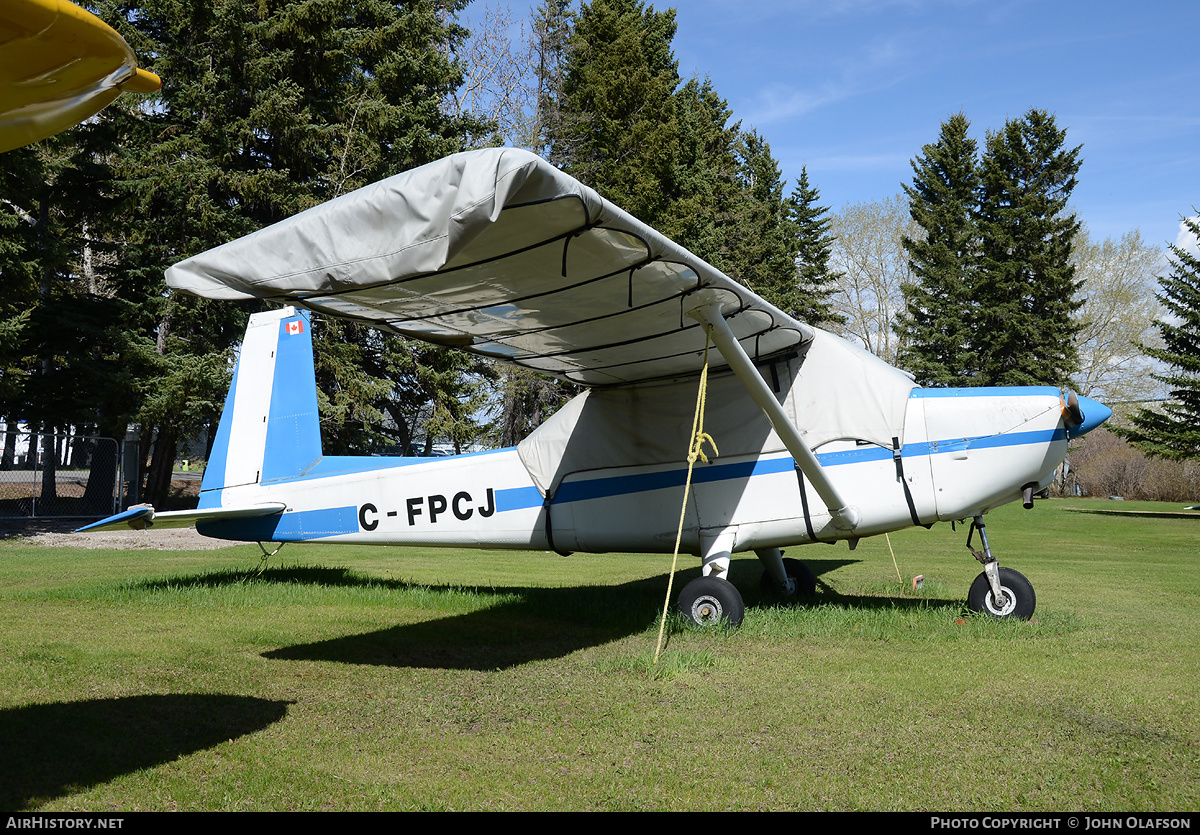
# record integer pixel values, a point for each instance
(1072, 414)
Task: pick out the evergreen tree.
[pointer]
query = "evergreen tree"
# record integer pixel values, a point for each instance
(1025, 291)
(19, 278)
(1174, 432)
(525, 399)
(617, 131)
(607, 115)
(67, 354)
(816, 281)
(617, 118)
(763, 239)
(551, 37)
(994, 294)
(267, 109)
(704, 182)
(935, 328)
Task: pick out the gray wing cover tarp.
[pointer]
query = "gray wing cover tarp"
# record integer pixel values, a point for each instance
(499, 253)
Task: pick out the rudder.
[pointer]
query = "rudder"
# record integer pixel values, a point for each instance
(269, 428)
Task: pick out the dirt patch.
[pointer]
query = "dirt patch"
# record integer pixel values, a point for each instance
(56, 533)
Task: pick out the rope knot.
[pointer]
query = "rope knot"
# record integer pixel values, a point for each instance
(698, 448)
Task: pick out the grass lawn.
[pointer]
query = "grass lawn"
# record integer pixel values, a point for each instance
(354, 678)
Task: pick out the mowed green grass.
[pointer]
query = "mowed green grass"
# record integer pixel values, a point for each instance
(357, 678)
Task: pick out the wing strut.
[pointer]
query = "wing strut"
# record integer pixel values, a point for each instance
(708, 311)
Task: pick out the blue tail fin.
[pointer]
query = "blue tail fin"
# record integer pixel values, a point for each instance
(269, 429)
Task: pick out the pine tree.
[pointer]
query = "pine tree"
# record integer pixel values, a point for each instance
(267, 109)
(762, 240)
(1174, 432)
(816, 281)
(704, 180)
(1025, 292)
(617, 132)
(935, 328)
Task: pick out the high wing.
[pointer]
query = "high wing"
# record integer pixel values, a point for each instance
(59, 65)
(501, 254)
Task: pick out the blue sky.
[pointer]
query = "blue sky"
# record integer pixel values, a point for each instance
(854, 88)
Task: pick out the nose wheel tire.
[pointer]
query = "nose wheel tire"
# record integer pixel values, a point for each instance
(711, 601)
(1019, 601)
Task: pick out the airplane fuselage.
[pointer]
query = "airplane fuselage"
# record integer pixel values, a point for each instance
(964, 452)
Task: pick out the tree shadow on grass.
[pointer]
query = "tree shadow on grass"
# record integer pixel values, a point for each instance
(53, 750)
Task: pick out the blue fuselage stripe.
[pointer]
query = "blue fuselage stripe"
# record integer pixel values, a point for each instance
(317, 524)
(601, 488)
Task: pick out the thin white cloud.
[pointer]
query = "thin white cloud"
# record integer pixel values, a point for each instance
(879, 65)
(861, 162)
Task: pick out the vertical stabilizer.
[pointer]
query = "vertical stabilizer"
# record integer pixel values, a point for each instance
(269, 429)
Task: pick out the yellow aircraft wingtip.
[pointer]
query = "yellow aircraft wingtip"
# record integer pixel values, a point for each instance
(59, 65)
(143, 81)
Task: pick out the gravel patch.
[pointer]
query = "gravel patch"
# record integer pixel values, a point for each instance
(60, 534)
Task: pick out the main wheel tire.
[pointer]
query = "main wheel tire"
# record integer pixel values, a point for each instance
(711, 601)
(806, 581)
(1020, 603)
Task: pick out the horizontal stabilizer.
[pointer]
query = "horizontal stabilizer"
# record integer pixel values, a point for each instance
(143, 517)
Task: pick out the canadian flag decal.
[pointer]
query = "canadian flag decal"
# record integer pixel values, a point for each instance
(296, 327)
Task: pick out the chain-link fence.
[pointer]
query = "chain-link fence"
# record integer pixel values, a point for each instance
(45, 475)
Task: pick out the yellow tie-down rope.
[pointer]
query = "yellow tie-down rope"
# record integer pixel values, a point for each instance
(695, 450)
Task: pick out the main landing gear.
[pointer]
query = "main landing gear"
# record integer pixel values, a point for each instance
(712, 600)
(999, 592)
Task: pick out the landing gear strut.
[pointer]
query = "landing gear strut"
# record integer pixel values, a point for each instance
(786, 576)
(999, 592)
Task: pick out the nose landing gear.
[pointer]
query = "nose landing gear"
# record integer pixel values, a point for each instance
(999, 592)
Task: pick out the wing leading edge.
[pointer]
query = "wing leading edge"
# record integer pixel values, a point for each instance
(499, 253)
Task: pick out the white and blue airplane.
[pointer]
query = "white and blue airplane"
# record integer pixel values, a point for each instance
(499, 253)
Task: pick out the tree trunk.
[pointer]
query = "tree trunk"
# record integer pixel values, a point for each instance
(49, 469)
(9, 456)
(158, 480)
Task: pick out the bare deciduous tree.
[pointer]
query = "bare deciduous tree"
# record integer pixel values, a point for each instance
(1101, 464)
(870, 255)
(500, 83)
(1117, 283)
